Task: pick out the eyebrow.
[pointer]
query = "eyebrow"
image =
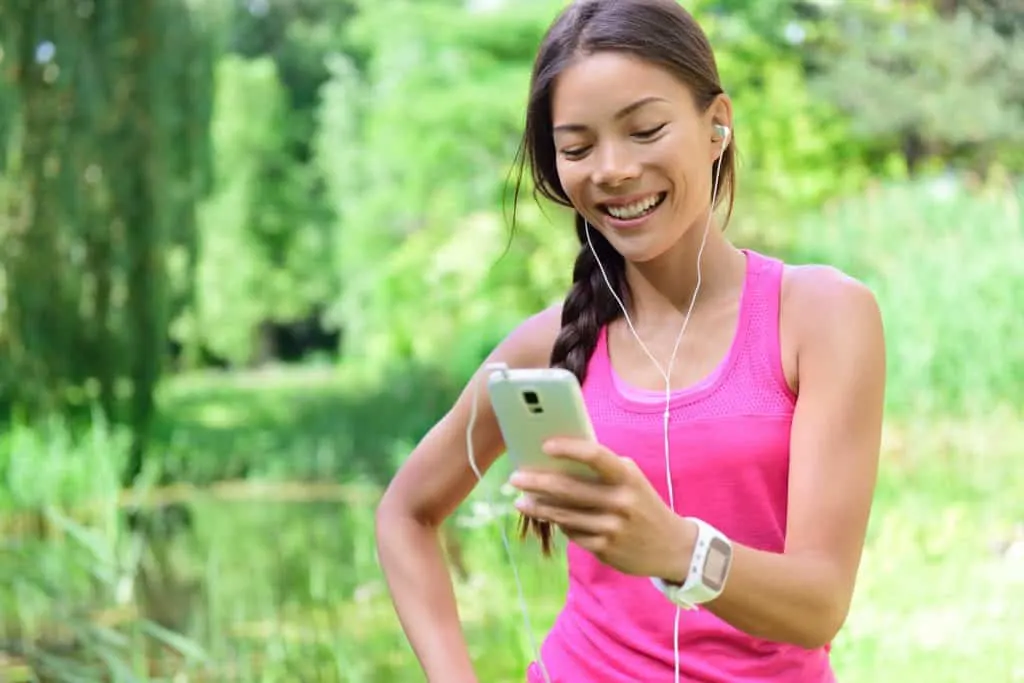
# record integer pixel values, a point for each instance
(621, 114)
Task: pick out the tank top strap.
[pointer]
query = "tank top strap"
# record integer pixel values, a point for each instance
(749, 380)
(762, 307)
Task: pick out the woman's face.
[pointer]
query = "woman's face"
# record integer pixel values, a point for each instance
(633, 152)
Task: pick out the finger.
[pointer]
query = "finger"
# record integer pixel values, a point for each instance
(609, 466)
(561, 489)
(572, 521)
(596, 544)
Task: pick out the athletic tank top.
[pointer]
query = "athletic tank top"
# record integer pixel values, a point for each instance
(729, 436)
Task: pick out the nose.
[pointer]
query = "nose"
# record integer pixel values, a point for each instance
(614, 166)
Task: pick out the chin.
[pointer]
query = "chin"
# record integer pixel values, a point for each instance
(637, 253)
(642, 247)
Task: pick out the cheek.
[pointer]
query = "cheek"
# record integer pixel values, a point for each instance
(692, 182)
(573, 181)
(678, 158)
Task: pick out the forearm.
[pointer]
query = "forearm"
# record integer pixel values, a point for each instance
(778, 597)
(423, 595)
(781, 598)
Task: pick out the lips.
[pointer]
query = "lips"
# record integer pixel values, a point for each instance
(633, 208)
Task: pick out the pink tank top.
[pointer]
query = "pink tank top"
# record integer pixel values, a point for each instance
(729, 437)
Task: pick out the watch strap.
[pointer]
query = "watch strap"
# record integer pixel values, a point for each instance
(699, 587)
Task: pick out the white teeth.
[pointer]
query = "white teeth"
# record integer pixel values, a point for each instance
(634, 210)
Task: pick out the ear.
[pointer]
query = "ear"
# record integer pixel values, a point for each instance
(719, 116)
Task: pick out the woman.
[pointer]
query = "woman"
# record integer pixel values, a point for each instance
(762, 490)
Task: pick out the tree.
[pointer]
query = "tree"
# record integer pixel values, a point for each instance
(948, 89)
(106, 160)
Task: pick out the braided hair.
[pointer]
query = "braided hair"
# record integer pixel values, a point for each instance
(587, 308)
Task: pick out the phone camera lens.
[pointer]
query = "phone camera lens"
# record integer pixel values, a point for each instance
(531, 398)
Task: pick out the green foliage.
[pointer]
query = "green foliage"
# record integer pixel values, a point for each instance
(945, 262)
(948, 89)
(105, 159)
(418, 146)
(83, 597)
(263, 253)
(353, 424)
(795, 148)
(64, 609)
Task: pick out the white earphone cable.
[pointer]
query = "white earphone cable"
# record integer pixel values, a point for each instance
(504, 535)
(665, 373)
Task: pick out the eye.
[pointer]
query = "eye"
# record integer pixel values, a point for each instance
(575, 153)
(649, 133)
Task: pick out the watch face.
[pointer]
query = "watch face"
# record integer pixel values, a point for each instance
(716, 566)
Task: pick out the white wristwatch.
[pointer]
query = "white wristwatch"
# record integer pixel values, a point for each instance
(709, 569)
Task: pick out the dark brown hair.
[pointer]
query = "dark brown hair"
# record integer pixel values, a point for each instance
(662, 33)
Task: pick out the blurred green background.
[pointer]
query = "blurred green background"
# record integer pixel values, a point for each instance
(251, 250)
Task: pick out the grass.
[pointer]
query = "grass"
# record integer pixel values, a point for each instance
(943, 565)
(283, 582)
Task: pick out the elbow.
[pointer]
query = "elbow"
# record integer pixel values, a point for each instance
(390, 522)
(822, 629)
(815, 640)
(394, 515)
(825, 612)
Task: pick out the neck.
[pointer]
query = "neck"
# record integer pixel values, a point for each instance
(664, 287)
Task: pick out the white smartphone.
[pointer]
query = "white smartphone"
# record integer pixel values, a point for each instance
(534, 405)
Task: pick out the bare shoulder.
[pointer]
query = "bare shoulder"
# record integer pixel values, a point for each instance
(530, 343)
(815, 294)
(829, 312)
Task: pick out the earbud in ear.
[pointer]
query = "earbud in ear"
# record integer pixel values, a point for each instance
(723, 133)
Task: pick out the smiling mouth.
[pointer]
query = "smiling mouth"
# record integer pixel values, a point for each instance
(636, 209)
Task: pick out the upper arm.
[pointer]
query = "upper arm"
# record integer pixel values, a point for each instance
(437, 477)
(837, 423)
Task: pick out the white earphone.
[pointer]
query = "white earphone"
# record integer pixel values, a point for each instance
(724, 133)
